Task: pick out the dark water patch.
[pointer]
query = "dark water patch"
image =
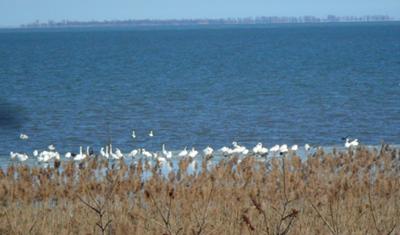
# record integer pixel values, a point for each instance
(12, 116)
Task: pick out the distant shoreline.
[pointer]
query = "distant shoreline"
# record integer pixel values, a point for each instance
(269, 20)
(193, 26)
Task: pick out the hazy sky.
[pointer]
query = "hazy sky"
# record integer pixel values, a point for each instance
(15, 12)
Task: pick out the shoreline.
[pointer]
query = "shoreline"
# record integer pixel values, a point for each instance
(190, 26)
(217, 155)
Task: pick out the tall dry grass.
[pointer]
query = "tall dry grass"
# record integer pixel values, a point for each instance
(354, 192)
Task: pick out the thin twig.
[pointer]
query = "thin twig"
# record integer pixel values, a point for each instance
(206, 210)
(323, 219)
(372, 212)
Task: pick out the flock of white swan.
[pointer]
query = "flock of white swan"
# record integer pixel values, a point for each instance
(108, 152)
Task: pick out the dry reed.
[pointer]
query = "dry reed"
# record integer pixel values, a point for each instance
(352, 192)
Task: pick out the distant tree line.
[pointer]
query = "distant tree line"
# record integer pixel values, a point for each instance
(205, 21)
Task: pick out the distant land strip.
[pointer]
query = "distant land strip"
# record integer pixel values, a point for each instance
(213, 21)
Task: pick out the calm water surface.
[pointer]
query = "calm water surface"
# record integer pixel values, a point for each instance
(287, 84)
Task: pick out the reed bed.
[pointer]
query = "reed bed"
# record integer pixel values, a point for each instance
(348, 192)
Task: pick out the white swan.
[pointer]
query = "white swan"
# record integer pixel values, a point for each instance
(23, 136)
(88, 152)
(167, 154)
(193, 153)
(226, 151)
(23, 157)
(353, 143)
(155, 155)
(51, 147)
(45, 156)
(239, 149)
(259, 149)
(161, 159)
(294, 147)
(133, 153)
(307, 147)
(68, 155)
(56, 155)
(102, 152)
(119, 153)
(51, 154)
(151, 134)
(35, 153)
(133, 134)
(275, 148)
(236, 147)
(283, 149)
(19, 156)
(146, 153)
(183, 153)
(112, 154)
(105, 154)
(81, 156)
(208, 151)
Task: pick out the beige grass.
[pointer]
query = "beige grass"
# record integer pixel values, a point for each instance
(354, 192)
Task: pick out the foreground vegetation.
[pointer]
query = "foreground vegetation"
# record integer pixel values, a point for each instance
(352, 192)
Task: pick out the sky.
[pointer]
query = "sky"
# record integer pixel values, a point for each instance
(16, 12)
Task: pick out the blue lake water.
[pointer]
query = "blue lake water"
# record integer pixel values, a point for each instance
(199, 86)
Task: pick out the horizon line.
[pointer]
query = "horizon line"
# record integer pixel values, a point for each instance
(330, 18)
